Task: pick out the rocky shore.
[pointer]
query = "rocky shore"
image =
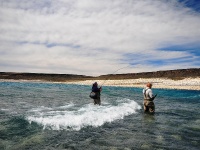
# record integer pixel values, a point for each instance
(169, 79)
(163, 83)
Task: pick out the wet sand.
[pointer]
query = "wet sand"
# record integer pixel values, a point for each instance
(163, 83)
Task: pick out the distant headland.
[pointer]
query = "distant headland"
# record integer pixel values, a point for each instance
(171, 74)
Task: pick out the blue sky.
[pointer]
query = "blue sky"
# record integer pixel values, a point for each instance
(92, 37)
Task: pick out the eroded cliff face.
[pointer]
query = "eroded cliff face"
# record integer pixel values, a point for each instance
(172, 74)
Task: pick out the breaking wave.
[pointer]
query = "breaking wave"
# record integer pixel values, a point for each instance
(70, 117)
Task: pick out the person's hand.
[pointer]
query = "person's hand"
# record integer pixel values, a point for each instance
(154, 97)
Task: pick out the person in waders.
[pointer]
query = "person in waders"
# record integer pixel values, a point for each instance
(148, 99)
(95, 94)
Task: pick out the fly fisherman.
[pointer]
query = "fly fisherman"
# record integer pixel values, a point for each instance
(95, 94)
(148, 99)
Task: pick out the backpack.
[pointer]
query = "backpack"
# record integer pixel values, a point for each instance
(93, 95)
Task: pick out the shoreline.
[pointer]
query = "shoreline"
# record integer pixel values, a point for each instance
(158, 83)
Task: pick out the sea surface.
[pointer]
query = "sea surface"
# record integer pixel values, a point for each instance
(57, 116)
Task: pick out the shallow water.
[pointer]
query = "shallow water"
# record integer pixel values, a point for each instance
(52, 116)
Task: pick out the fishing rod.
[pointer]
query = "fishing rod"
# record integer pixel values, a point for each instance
(113, 73)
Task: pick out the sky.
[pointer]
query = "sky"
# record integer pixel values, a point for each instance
(98, 37)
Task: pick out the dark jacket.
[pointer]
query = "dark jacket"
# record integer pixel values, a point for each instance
(95, 89)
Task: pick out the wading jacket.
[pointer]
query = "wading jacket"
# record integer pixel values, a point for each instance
(148, 94)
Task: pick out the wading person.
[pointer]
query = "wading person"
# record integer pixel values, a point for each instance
(148, 99)
(95, 94)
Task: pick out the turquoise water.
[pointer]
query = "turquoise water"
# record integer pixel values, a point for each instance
(52, 116)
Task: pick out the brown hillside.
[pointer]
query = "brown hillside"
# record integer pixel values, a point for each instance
(173, 74)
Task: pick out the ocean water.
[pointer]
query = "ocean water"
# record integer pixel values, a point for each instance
(53, 116)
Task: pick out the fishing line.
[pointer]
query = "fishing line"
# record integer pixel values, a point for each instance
(113, 73)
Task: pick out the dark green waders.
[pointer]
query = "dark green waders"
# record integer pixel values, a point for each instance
(149, 106)
(97, 100)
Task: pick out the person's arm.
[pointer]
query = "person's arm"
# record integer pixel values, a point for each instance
(100, 89)
(151, 95)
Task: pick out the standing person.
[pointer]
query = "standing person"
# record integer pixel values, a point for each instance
(95, 94)
(148, 99)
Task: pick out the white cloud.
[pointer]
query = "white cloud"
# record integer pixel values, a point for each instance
(93, 37)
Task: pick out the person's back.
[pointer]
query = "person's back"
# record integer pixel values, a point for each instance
(97, 91)
(95, 88)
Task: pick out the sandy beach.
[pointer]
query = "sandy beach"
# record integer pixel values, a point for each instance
(163, 83)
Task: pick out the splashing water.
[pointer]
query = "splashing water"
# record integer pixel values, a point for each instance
(88, 115)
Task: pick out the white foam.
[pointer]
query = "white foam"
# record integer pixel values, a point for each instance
(41, 108)
(88, 115)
